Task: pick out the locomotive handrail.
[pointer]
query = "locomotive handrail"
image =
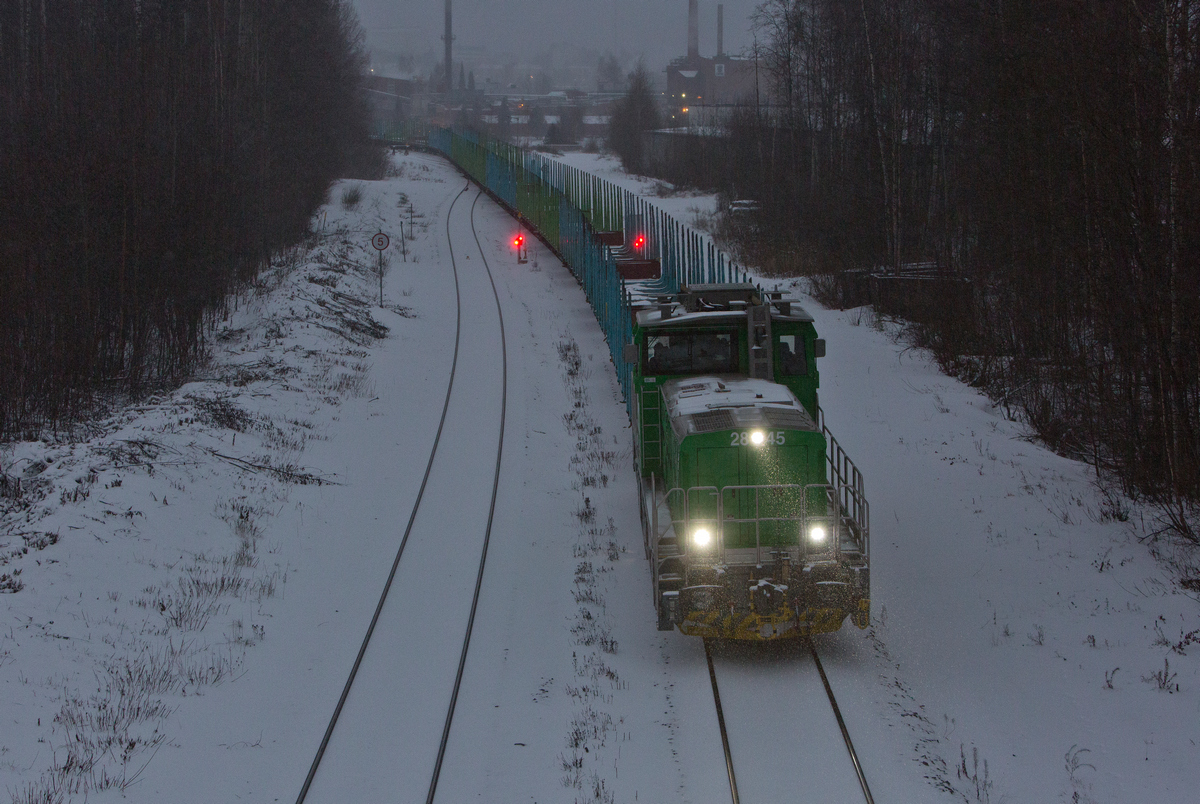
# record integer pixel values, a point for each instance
(805, 520)
(680, 499)
(690, 523)
(848, 481)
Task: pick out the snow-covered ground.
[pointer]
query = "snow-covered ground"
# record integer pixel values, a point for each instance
(1013, 617)
(1020, 624)
(191, 583)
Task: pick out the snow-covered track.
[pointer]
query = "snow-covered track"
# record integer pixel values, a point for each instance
(779, 723)
(837, 712)
(413, 516)
(712, 677)
(487, 537)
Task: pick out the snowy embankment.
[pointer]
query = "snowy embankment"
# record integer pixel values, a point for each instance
(150, 562)
(190, 584)
(1030, 643)
(187, 633)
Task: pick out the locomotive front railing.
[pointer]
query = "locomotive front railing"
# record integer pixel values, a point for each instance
(785, 514)
(808, 506)
(692, 502)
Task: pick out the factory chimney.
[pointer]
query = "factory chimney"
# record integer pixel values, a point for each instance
(693, 28)
(449, 37)
(720, 29)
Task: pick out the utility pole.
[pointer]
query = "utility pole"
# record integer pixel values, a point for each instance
(449, 39)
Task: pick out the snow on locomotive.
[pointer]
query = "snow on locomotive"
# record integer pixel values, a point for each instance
(754, 519)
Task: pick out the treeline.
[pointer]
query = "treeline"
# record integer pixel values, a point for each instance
(633, 116)
(153, 155)
(1046, 153)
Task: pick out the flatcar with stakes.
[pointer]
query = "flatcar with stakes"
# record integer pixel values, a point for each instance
(755, 521)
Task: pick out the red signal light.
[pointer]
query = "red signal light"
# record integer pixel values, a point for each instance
(519, 241)
(639, 242)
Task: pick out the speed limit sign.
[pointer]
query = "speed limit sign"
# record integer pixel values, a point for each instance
(380, 241)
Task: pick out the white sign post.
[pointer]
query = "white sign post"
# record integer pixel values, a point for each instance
(380, 241)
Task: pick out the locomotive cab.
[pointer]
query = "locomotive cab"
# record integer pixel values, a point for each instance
(754, 520)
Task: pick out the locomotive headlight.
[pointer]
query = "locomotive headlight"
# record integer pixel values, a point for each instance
(702, 537)
(757, 438)
(816, 534)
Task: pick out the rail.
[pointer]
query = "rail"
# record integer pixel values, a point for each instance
(735, 796)
(466, 643)
(712, 677)
(837, 713)
(362, 650)
(487, 536)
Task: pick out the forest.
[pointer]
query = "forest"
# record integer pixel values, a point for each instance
(1039, 157)
(154, 155)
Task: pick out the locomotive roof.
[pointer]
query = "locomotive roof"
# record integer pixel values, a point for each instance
(726, 402)
(714, 303)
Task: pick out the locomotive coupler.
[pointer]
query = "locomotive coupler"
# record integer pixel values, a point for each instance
(767, 597)
(668, 611)
(783, 566)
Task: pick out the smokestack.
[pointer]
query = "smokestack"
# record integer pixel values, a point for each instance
(693, 28)
(720, 29)
(449, 51)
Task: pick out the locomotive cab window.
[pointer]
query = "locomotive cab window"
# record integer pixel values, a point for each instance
(691, 353)
(792, 360)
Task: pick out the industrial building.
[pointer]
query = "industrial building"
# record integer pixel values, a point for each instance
(699, 86)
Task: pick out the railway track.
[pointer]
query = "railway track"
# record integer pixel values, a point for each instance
(462, 662)
(315, 788)
(735, 792)
(328, 737)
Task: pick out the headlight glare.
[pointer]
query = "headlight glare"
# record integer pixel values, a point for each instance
(702, 537)
(757, 438)
(817, 534)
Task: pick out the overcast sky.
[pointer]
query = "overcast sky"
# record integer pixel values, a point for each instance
(655, 28)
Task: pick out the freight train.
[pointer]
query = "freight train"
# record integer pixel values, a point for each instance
(755, 521)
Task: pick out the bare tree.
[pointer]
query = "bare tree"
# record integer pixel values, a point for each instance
(634, 115)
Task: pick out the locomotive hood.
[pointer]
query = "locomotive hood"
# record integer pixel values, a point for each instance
(714, 403)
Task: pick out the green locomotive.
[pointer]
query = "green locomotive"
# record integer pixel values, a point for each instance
(754, 519)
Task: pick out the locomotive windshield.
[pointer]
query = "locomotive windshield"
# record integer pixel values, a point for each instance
(691, 353)
(791, 355)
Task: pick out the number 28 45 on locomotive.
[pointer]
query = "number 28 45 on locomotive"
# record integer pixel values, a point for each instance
(755, 521)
